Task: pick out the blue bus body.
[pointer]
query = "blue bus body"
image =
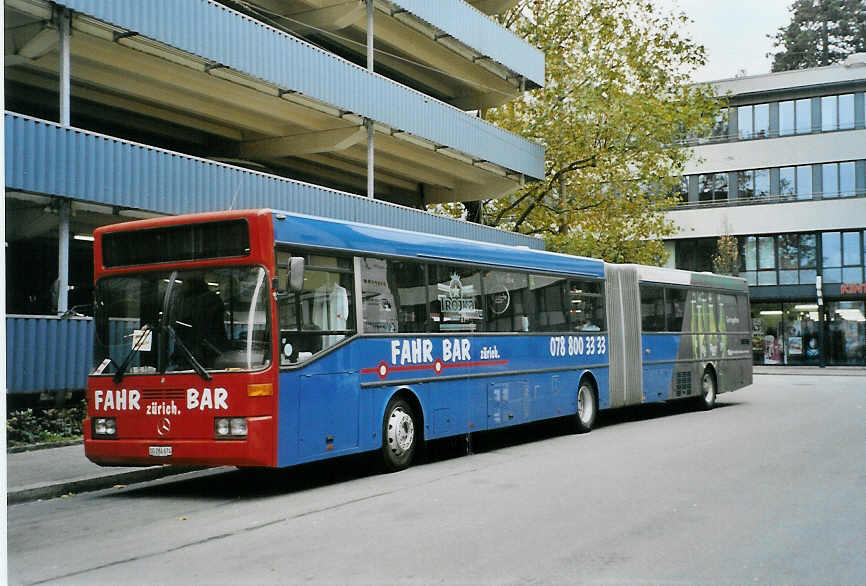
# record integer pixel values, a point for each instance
(664, 332)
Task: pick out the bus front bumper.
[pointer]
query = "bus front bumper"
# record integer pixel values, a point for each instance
(257, 449)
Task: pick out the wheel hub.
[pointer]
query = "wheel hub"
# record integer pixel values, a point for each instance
(708, 388)
(584, 405)
(401, 432)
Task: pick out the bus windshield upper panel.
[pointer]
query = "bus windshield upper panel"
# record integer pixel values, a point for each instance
(179, 321)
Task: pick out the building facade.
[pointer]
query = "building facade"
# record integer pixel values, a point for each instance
(363, 110)
(784, 172)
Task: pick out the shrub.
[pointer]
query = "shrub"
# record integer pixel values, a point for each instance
(33, 426)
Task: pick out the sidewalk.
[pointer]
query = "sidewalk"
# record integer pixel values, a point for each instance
(812, 370)
(49, 473)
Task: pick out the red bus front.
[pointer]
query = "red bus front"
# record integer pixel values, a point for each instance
(183, 356)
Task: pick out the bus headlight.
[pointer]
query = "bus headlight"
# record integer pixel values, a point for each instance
(230, 427)
(104, 427)
(239, 426)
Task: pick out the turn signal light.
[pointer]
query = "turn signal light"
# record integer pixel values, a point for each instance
(260, 390)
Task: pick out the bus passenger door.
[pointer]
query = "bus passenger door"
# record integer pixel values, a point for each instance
(327, 413)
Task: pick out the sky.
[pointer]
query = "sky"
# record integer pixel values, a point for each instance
(734, 33)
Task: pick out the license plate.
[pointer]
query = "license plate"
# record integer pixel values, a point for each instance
(160, 451)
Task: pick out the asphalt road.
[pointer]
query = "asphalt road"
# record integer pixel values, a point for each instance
(766, 489)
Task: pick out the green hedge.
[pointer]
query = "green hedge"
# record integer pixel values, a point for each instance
(36, 426)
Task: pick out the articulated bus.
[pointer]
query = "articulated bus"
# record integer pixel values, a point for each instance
(259, 338)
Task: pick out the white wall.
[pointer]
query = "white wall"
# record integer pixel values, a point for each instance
(801, 216)
(845, 145)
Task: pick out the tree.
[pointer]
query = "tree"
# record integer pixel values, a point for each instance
(615, 103)
(726, 261)
(821, 32)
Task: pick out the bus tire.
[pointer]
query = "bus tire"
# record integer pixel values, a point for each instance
(709, 390)
(399, 435)
(587, 407)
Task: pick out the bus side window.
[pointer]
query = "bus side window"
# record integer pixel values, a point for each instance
(454, 293)
(675, 303)
(547, 294)
(505, 293)
(586, 305)
(321, 314)
(652, 308)
(407, 283)
(379, 308)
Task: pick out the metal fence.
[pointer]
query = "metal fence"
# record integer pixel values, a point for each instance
(47, 353)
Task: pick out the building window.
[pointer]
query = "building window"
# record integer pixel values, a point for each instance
(720, 129)
(787, 123)
(744, 122)
(787, 180)
(713, 187)
(762, 182)
(762, 120)
(846, 111)
(804, 182)
(808, 250)
(838, 179)
(804, 116)
(831, 257)
(830, 180)
(847, 184)
(746, 184)
(852, 271)
(681, 189)
(828, 113)
(787, 245)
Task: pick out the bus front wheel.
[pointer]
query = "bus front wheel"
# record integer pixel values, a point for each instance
(587, 407)
(399, 435)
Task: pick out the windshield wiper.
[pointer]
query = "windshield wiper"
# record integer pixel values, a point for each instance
(187, 353)
(121, 370)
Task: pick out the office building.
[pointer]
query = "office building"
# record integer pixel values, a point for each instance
(784, 172)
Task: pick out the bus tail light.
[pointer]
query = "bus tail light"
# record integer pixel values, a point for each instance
(230, 427)
(105, 427)
(260, 390)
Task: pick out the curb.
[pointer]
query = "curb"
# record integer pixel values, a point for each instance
(794, 371)
(53, 490)
(43, 446)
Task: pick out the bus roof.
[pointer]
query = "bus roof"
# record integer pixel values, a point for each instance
(680, 277)
(365, 238)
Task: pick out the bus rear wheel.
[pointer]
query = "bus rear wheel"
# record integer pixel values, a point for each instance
(707, 399)
(399, 435)
(587, 407)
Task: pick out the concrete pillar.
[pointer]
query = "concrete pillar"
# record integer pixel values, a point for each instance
(63, 258)
(64, 29)
(64, 208)
(369, 123)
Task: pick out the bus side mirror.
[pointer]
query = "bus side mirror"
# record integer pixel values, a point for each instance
(294, 275)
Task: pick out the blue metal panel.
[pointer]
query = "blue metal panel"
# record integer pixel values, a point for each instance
(475, 29)
(531, 381)
(43, 157)
(220, 35)
(46, 353)
(309, 231)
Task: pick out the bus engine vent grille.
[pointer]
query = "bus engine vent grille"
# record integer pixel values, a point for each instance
(684, 384)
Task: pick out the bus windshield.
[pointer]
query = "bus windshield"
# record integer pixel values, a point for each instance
(197, 320)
